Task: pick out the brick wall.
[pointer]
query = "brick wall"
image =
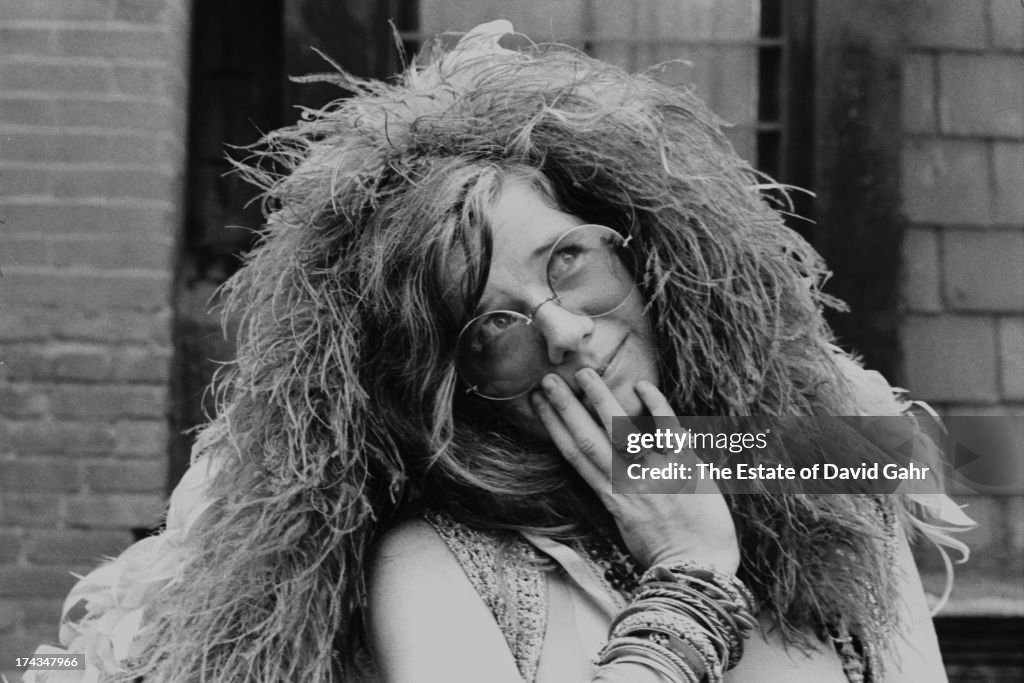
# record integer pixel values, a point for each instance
(963, 188)
(92, 144)
(92, 116)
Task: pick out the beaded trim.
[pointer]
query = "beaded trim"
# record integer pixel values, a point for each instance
(503, 569)
(619, 570)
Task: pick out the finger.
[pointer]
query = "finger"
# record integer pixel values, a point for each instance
(653, 399)
(659, 406)
(566, 443)
(589, 438)
(605, 404)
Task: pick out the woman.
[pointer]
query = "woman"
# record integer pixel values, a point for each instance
(464, 276)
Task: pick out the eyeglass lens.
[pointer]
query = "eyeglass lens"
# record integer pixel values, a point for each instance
(502, 354)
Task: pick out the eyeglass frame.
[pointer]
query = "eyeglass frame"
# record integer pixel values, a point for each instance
(555, 297)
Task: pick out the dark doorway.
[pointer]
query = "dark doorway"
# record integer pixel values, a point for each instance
(243, 52)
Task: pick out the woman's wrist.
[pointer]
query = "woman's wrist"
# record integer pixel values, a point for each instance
(686, 618)
(726, 562)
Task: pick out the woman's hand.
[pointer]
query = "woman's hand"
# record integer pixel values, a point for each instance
(657, 528)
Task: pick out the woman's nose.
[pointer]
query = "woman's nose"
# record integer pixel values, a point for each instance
(564, 331)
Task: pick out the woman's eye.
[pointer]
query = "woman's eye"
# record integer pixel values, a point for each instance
(490, 329)
(499, 321)
(565, 260)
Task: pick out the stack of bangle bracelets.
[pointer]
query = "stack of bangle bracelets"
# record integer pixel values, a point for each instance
(686, 622)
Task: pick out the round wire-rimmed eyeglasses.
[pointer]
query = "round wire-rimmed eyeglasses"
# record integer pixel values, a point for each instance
(502, 355)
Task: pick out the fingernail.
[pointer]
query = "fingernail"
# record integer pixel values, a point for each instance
(549, 383)
(538, 399)
(586, 374)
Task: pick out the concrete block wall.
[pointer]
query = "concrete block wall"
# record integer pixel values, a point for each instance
(92, 151)
(963, 189)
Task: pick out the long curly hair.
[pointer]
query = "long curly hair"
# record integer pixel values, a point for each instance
(342, 411)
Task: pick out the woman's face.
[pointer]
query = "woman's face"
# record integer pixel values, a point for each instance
(619, 344)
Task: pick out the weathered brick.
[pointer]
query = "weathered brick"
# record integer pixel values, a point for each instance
(20, 146)
(35, 582)
(1007, 24)
(10, 615)
(141, 438)
(70, 147)
(24, 325)
(982, 94)
(171, 146)
(57, 361)
(950, 358)
(921, 284)
(108, 148)
(23, 642)
(947, 182)
(142, 81)
(126, 183)
(61, 361)
(84, 364)
(27, 41)
(22, 400)
(29, 110)
(47, 437)
(74, 546)
(954, 410)
(54, 475)
(949, 23)
(919, 94)
(107, 401)
(145, 291)
(141, 11)
(58, 76)
(137, 42)
(1011, 357)
(1008, 201)
(984, 271)
(11, 543)
(1015, 528)
(43, 510)
(119, 114)
(115, 325)
(122, 511)
(41, 612)
(127, 476)
(26, 182)
(81, 218)
(24, 251)
(142, 365)
(57, 10)
(116, 252)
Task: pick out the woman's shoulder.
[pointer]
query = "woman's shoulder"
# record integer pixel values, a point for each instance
(421, 601)
(435, 549)
(411, 562)
(435, 552)
(438, 539)
(410, 537)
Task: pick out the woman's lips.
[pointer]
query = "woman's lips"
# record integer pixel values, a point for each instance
(602, 371)
(603, 368)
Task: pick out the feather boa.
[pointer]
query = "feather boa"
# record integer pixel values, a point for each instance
(104, 614)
